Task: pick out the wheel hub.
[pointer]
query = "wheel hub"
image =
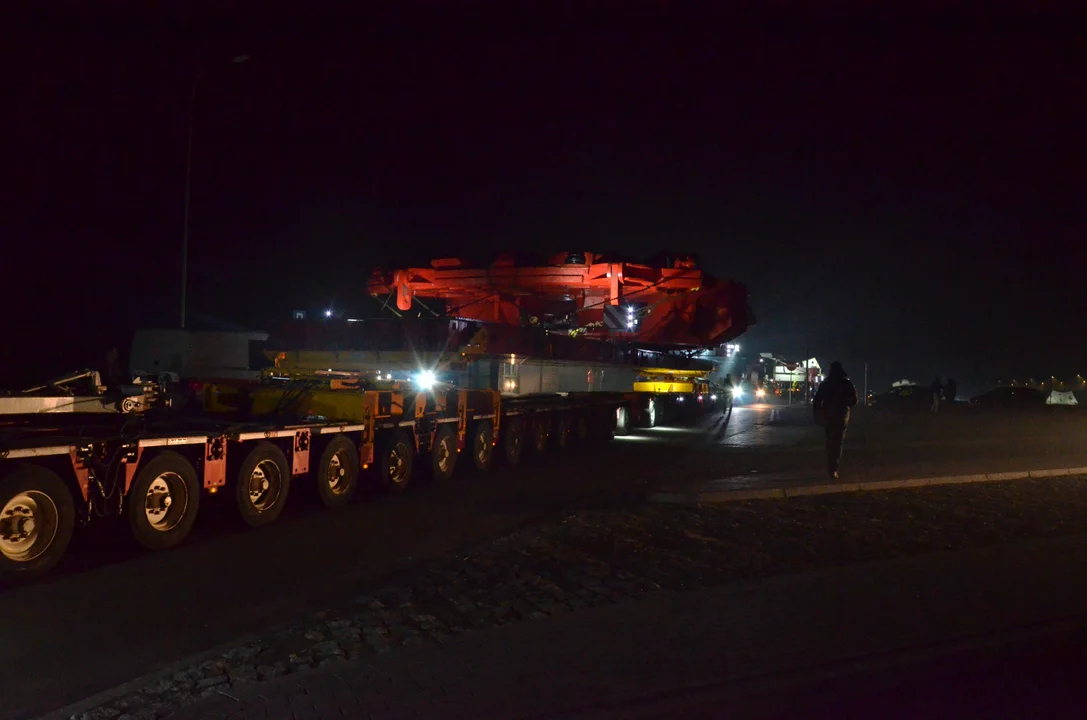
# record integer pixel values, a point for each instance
(264, 486)
(336, 473)
(396, 465)
(18, 525)
(25, 523)
(160, 498)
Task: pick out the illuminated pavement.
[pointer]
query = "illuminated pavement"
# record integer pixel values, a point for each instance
(748, 427)
(755, 427)
(780, 447)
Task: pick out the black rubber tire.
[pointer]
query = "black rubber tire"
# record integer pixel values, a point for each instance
(560, 438)
(623, 420)
(649, 414)
(34, 478)
(482, 446)
(345, 454)
(184, 496)
(445, 445)
(513, 440)
(269, 456)
(665, 413)
(604, 424)
(538, 436)
(400, 444)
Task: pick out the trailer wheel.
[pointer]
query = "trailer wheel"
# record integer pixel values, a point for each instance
(562, 433)
(513, 440)
(338, 473)
(622, 420)
(264, 480)
(663, 413)
(37, 518)
(443, 454)
(397, 455)
(483, 445)
(650, 418)
(604, 424)
(163, 501)
(539, 436)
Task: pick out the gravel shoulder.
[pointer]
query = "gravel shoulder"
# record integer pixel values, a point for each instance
(603, 557)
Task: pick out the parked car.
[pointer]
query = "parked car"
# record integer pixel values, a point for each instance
(1010, 398)
(904, 398)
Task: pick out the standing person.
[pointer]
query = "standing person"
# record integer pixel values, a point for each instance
(937, 389)
(730, 388)
(836, 395)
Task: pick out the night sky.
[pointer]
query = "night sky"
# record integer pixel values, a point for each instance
(906, 191)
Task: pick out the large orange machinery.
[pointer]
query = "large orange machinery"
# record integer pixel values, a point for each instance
(667, 301)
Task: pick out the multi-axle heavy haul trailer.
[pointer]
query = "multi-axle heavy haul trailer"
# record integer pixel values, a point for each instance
(100, 455)
(524, 359)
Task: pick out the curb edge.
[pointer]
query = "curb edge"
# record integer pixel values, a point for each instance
(720, 497)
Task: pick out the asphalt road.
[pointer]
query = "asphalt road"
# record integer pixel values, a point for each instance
(112, 612)
(1040, 675)
(883, 445)
(1008, 675)
(969, 629)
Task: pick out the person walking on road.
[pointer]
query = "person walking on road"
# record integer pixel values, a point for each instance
(833, 400)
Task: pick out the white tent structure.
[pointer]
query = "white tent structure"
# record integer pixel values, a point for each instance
(1061, 398)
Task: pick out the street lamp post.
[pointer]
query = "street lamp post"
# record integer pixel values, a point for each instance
(236, 60)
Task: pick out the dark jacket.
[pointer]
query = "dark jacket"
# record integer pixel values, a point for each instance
(832, 401)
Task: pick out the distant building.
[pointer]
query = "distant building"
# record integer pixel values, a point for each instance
(777, 376)
(782, 371)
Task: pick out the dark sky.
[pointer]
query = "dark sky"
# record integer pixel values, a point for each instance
(906, 191)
